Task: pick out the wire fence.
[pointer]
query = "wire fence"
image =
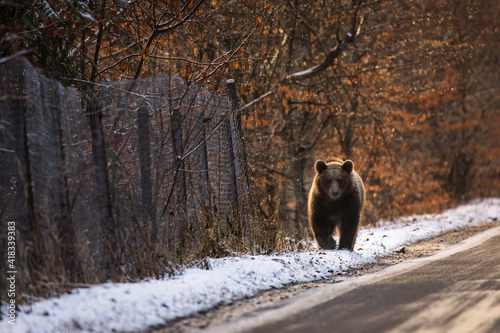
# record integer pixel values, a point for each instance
(175, 164)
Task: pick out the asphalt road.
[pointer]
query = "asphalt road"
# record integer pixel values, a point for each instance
(457, 290)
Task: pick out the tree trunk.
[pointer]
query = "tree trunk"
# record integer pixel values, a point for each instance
(238, 149)
(178, 209)
(459, 176)
(348, 138)
(301, 225)
(144, 145)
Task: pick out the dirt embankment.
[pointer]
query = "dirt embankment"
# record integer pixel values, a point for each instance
(274, 298)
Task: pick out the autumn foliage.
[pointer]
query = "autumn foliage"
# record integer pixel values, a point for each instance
(406, 89)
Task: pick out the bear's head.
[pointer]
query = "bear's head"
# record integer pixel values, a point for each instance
(334, 178)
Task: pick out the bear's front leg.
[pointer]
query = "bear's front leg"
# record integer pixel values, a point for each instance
(348, 230)
(324, 237)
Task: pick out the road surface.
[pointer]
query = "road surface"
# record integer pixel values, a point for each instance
(456, 290)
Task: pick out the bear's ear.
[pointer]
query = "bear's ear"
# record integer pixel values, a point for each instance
(347, 166)
(320, 166)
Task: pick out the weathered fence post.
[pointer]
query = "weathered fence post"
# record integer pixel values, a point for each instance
(103, 197)
(65, 225)
(31, 252)
(144, 149)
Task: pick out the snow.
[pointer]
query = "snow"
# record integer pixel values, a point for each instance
(130, 307)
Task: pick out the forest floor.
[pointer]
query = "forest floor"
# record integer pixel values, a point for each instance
(270, 299)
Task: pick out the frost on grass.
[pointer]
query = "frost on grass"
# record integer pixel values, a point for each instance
(136, 306)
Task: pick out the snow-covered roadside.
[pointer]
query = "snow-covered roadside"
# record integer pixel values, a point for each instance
(136, 306)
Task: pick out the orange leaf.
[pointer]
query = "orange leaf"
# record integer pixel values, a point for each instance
(254, 86)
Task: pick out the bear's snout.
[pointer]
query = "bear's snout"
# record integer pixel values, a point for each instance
(335, 190)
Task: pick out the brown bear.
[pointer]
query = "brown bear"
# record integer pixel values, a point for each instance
(336, 199)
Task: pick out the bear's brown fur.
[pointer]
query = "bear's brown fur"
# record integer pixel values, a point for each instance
(335, 200)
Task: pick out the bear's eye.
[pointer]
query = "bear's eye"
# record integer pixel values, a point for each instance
(341, 182)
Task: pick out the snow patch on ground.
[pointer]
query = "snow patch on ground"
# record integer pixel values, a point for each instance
(131, 307)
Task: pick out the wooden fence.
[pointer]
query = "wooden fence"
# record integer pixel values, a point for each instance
(175, 162)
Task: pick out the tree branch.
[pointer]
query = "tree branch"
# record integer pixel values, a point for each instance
(230, 54)
(87, 40)
(336, 51)
(330, 58)
(164, 27)
(15, 55)
(311, 29)
(160, 29)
